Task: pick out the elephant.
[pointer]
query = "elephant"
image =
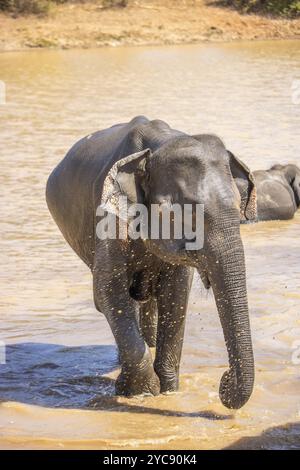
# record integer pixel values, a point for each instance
(278, 192)
(154, 165)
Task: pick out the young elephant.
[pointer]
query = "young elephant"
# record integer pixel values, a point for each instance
(153, 164)
(278, 192)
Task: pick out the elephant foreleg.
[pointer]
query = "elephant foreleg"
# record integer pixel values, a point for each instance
(122, 312)
(172, 300)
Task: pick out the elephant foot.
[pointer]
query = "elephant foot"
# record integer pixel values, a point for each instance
(137, 382)
(169, 382)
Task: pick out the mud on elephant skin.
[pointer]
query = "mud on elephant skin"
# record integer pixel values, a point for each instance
(151, 163)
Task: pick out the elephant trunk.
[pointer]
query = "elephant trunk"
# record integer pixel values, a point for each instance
(227, 275)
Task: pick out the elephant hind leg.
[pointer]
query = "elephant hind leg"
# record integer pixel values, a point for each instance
(148, 321)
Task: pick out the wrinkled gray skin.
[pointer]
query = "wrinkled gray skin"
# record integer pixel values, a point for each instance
(278, 192)
(135, 279)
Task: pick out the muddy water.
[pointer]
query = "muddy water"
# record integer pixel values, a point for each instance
(56, 388)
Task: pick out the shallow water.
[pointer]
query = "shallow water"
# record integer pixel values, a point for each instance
(57, 386)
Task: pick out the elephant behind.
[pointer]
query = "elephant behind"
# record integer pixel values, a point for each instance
(278, 192)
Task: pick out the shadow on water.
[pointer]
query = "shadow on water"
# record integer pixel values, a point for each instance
(282, 437)
(58, 376)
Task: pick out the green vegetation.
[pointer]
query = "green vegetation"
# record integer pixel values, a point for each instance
(286, 8)
(41, 7)
(35, 7)
(114, 3)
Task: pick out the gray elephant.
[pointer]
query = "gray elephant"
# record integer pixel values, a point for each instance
(278, 192)
(153, 164)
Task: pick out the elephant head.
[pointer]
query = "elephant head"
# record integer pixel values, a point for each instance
(292, 174)
(186, 170)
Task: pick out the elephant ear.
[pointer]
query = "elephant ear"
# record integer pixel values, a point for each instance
(125, 178)
(246, 185)
(296, 189)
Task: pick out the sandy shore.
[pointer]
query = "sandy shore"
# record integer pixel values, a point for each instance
(141, 23)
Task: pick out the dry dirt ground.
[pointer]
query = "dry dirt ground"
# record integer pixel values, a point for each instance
(141, 23)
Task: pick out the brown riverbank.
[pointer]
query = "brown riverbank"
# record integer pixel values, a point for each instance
(141, 23)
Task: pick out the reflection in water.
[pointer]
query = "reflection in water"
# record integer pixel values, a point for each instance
(56, 396)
